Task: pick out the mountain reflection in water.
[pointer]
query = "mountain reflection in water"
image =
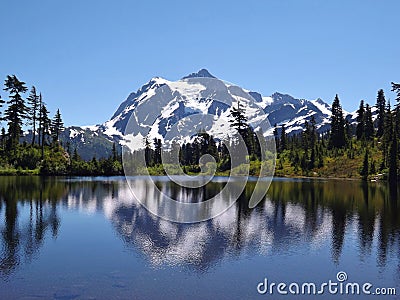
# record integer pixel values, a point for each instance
(294, 212)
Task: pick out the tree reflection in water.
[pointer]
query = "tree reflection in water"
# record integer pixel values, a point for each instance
(22, 236)
(295, 212)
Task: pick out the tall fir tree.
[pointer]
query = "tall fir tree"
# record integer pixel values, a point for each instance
(396, 135)
(17, 110)
(387, 135)
(305, 136)
(365, 168)
(148, 153)
(114, 153)
(313, 132)
(57, 126)
(394, 151)
(3, 132)
(239, 122)
(44, 124)
(312, 159)
(3, 138)
(39, 119)
(369, 124)
(360, 128)
(239, 119)
(396, 89)
(75, 156)
(283, 139)
(33, 110)
(157, 151)
(276, 136)
(347, 133)
(337, 134)
(1, 105)
(381, 107)
(397, 122)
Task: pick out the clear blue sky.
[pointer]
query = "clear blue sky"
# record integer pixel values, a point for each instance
(86, 56)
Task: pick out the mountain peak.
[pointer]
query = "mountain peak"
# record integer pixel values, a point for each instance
(201, 73)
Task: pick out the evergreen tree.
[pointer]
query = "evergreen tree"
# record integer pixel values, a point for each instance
(75, 156)
(360, 129)
(157, 151)
(305, 138)
(225, 158)
(320, 159)
(3, 137)
(57, 126)
(364, 171)
(381, 106)
(3, 131)
(369, 124)
(337, 136)
(347, 132)
(239, 121)
(393, 153)
(295, 160)
(387, 135)
(312, 159)
(372, 169)
(207, 145)
(396, 89)
(68, 148)
(33, 110)
(276, 136)
(309, 135)
(257, 144)
(283, 140)
(16, 111)
(148, 153)
(95, 165)
(39, 119)
(397, 122)
(186, 154)
(44, 125)
(1, 105)
(313, 132)
(114, 154)
(304, 162)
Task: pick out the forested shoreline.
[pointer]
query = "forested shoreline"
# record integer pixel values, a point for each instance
(368, 149)
(44, 154)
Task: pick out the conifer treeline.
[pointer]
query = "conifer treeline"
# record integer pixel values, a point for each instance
(109, 166)
(371, 144)
(308, 151)
(32, 111)
(43, 154)
(204, 143)
(27, 113)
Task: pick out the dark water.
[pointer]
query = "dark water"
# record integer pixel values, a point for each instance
(87, 238)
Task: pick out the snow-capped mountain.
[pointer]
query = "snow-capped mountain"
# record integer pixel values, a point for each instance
(161, 108)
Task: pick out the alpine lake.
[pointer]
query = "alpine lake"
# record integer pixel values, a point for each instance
(88, 238)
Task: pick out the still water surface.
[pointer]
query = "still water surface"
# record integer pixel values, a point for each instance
(87, 238)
